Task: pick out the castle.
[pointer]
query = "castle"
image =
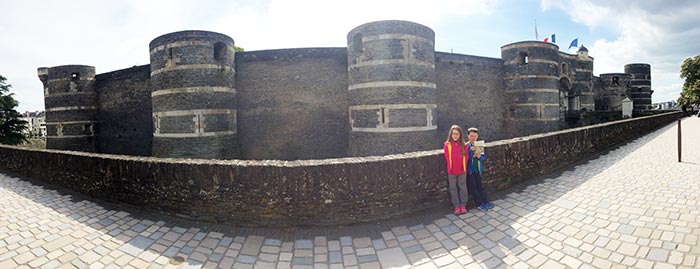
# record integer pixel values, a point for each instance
(387, 92)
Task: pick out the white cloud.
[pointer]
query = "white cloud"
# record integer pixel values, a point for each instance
(319, 23)
(656, 32)
(106, 35)
(115, 35)
(549, 4)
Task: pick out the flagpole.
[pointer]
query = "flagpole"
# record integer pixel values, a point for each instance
(537, 36)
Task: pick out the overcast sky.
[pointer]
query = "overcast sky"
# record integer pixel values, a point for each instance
(115, 35)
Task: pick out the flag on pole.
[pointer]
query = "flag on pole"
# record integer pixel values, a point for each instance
(552, 39)
(574, 43)
(537, 36)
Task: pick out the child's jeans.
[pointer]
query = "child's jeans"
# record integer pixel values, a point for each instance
(458, 189)
(476, 189)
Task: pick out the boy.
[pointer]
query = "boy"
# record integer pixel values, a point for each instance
(474, 169)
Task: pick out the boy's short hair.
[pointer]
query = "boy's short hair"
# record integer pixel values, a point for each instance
(472, 129)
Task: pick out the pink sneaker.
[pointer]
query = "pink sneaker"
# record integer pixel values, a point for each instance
(458, 210)
(463, 209)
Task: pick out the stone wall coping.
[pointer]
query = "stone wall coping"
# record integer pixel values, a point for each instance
(318, 162)
(613, 74)
(450, 55)
(128, 70)
(535, 136)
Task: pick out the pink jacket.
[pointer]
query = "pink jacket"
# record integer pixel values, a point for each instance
(456, 164)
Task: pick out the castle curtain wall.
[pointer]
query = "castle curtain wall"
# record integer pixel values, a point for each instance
(470, 94)
(124, 102)
(292, 103)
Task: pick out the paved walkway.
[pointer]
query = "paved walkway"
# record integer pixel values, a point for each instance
(635, 206)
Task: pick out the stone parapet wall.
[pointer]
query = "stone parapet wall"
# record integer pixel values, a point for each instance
(311, 192)
(509, 161)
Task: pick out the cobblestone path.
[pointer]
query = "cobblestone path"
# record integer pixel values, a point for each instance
(634, 206)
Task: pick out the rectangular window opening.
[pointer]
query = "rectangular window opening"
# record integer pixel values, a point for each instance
(523, 58)
(383, 117)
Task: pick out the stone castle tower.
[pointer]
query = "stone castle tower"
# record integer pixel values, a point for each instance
(71, 107)
(634, 83)
(379, 95)
(193, 95)
(640, 85)
(391, 88)
(546, 89)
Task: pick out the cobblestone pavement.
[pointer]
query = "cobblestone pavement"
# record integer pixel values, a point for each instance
(635, 206)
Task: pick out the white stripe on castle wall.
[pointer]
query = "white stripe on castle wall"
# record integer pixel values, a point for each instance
(533, 90)
(193, 66)
(368, 38)
(70, 136)
(70, 79)
(58, 94)
(392, 61)
(392, 106)
(535, 104)
(193, 112)
(395, 129)
(192, 90)
(532, 76)
(530, 45)
(534, 119)
(186, 135)
(71, 122)
(180, 44)
(386, 129)
(66, 108)
(531, 60)
(380, 84)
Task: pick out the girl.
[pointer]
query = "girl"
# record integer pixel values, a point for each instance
(456, 158)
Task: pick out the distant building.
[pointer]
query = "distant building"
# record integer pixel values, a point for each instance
(36, 123)
(665, 105)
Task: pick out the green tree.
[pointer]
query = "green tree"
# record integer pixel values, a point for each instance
(12, 125)
(238, 49)
(690, 71)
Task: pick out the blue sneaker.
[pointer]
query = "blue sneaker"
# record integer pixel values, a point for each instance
(489, 205)
(483, 208)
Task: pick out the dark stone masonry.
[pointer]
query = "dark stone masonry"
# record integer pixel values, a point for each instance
(387, 92)
(322, 136)
(310, 192)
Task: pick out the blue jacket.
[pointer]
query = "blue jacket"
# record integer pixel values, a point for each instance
(475, 165)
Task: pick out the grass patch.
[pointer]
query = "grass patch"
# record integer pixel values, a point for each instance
(34, 143)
